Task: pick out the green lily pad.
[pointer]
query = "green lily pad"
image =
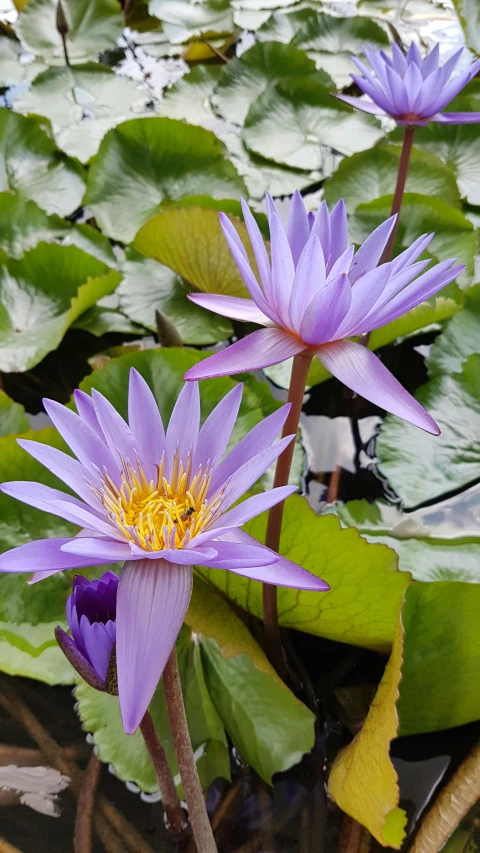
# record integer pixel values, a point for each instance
(311, 123)
(246, 77)
(58, 283)
(189, 97)
(366, 176)
(436, 543)
(91, 241)
(12, 416)
(459, 339)
(441, 646)
(93, 26)
(105, 317)
(11, 69)
(83, 102)
(149, 286)
(366, 587)
(468, 12)
(23, 224)
(32, 166)
(182, 19)
(144, 162)
(455, 236)
(420, 466)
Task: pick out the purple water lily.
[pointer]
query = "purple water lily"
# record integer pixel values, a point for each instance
(160, 501)
(410, 89)
(317, 292)
(91, 614)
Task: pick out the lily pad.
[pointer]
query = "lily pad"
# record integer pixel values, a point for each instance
(421, 467)
(93, 26)
(12, 416)
(83, 102)
(366, 587)
(149, 286)
(312, 123)
(32, 166)
(182, 19)
(57, 283)
(12, 70)
(144, 162)
(23, 224)
(366, 176)
(189, 97)
(246, 77)
(459, 339)
(469, 15)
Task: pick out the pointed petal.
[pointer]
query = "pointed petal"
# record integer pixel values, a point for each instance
(78, 660)
(412, 253)
(430, 64)
(359, 369)
(309, 280)
(373, 90)
(298, 229)
(321, 228)
(451, 63)
(153, 597)
(184, 425)
(118, 435)
(44, 556)
(258, 246)
(217, 429)
(364, 104)
(101, 550)
(260, 349)
(455, 86)
(231, 306)
(86, 410)
(249, 473)
(326, 311)
(145, 423)
(457, 118)
(251, 507)
(58, 503)
(259, 438)
(235, 555)
(414, 56)
(86, 444)
(365, 293)
(398, 59)
(71, 472)
(283, 269)
(338, 231)
(243, 265)
(371, 250)
(399, 94)
(98, 646)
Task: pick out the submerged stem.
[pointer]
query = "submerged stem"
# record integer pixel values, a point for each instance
(296, 391)
(168, 792)
(408, 138)
(201, 829)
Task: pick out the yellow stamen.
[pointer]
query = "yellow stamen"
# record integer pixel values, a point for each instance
(153, 515)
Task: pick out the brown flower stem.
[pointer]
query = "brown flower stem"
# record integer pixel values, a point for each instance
(192, 789)
(408, 138)
(106, 817)
(82, 837)
(296, 391)
(453, 803)
(168, 792)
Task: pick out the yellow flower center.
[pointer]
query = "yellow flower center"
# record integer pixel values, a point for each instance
(161, 514)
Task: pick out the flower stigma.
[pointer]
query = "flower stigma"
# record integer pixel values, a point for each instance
(164, 514)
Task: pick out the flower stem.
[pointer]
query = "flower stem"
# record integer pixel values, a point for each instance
(201, 829)
(296, 391)
(408, 138)
(168, 792)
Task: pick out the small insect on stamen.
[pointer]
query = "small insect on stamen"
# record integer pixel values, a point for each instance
(187, 514)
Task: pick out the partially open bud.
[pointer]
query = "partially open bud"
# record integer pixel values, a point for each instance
(91, 613)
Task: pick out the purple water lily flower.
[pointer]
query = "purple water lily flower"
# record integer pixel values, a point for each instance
(410, 89)
(160, 501)
(91, 614)
(317, 292)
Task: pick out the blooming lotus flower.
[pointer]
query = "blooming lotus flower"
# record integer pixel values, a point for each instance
(317, 292)
(91, 615)
(161, 502)
(410, 89)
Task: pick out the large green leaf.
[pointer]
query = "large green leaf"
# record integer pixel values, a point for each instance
(182, 19)
(83, 102)
(12, 416)
(294, 123)
(189, 97)
(93, 26)
(23, 224)
(247, 76)
(57, 283)
(31, 166)
(149, 286)
(370, 174)
(454, 235)
(436, 543)
(469, 13)
(441, 647)
(420, 466)
(12, 70)
(144, 162)
(459, 339)
(127, 754)
(366, 587)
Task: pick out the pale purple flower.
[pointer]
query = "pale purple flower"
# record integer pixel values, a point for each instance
(91, 614)
(410, 89)
(160, 501)
(315, 293)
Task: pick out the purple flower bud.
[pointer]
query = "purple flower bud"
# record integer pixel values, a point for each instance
(91, 614)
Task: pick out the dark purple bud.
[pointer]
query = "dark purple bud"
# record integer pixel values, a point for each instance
(91, 613)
